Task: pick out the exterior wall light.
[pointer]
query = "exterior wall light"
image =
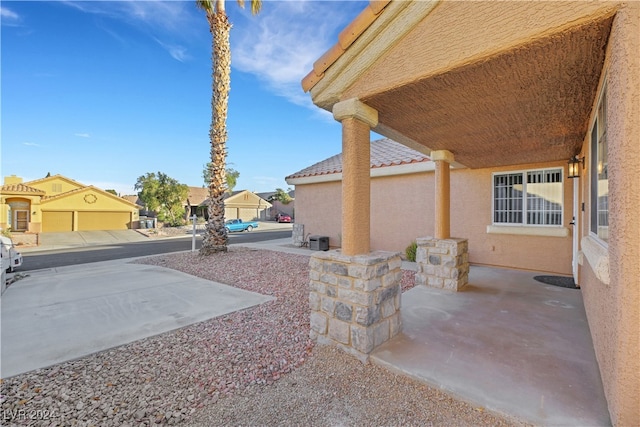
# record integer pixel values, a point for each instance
(574, 170)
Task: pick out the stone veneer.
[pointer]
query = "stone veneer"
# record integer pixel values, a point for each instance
(298, 234)
(442, 263)
(355, 300)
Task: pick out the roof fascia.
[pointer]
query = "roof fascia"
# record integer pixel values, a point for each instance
(402, 16)
(35, 192)
(405, 169)
(56, 176)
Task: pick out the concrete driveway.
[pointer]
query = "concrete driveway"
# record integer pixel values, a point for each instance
(65, 313)
(58, 240)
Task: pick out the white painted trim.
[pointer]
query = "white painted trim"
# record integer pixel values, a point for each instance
(528, 230)
(404, 169)
(524, 197)
(597, 256)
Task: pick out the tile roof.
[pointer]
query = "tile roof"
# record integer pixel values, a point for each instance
(345, 39)
(133, 198)
(20, 188)
(384, 152)
(50, 177)
(65, 194)
(197, 195)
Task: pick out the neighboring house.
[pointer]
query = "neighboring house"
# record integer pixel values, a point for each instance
(246, 206)
(242, 204)
(507, 94)
(402, 200)
(195, 203)
(278, 206)
(58, 203)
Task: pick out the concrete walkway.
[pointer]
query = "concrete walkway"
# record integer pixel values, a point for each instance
(65, 313)
(507, 343)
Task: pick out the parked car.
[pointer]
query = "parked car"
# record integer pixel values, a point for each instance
(284, 218)
(11, 258)
(239, 225)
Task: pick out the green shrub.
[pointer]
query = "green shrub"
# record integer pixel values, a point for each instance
(410, 252)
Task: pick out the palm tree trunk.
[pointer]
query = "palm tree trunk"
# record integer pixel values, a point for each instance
(215, 238)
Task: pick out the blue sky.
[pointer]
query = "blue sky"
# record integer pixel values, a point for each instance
(104, 92)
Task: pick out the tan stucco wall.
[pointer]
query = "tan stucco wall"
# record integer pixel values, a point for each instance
(319, 209)
(92, 200)
(88, 200)
(47, 184)
(402, 208)
(504, 25)
(613, 310)
(35, 213)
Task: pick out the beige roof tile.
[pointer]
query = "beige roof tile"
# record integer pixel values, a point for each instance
(20, 188)
(384, 152)
(345, 39)
(197, 195)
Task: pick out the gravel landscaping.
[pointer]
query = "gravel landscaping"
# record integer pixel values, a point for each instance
(252, 367)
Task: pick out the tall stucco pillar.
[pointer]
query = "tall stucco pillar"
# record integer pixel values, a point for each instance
(357, 120)
(442, 159)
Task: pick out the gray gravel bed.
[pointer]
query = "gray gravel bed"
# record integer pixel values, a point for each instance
(252, 367)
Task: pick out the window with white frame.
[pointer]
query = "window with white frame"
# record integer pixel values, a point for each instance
(531, 197)
(600, 172)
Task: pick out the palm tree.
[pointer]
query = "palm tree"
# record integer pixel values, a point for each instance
(215, 238)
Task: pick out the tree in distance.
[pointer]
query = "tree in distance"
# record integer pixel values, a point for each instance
(231, 176)
(164, 195)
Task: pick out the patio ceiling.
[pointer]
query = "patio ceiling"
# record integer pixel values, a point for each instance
(528, 104)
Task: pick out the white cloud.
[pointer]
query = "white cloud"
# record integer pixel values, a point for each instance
(82, 135)
(8, 15)
(155, 18)
(168, 15)
(280, 45)
(177, 52)
(31, 144)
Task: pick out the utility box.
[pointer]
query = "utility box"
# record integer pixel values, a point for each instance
(319, 243)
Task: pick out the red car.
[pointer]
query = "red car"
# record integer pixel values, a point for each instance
(284, 218)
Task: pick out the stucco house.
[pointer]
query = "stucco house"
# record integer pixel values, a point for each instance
(245, 205)
(195, 203)
(58, 203)
(402, 183)
(277, 206)
(241, 204)
(529, 114)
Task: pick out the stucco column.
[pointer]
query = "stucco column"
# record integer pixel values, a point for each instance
(357, 120)
(442, 159)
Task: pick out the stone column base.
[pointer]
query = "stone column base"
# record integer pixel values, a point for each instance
(355, 300)
(298, 234)
(442, 263)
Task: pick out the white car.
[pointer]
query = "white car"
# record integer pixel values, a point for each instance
(11, 258)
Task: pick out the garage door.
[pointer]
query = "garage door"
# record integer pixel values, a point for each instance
(57, 221)
(247, 214)
(103, 221)
(230, 213)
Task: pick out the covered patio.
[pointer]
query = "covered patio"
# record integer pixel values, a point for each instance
(477, 86)
(507, 343)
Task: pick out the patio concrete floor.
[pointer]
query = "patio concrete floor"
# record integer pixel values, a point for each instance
(506, 343)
